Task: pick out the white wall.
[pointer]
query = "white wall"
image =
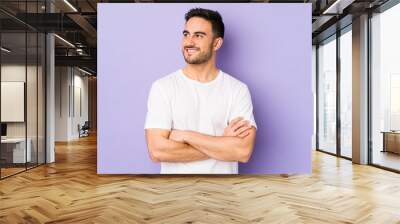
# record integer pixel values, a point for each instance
(62, 81)
(10, 73)
(71, 93)
(80, 102)
(15, 72)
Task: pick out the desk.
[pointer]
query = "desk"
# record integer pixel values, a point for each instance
(391, 141)
(15, 148)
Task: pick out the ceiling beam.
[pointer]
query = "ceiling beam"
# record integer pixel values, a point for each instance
(84, 61)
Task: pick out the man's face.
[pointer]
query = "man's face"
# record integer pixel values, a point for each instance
(197, 42)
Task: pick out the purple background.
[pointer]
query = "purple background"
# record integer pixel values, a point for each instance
(267, 46)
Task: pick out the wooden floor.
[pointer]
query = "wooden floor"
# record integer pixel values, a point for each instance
(5, 172)
(70, 191)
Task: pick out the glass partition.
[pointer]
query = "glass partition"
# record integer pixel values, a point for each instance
(327, 95)
(22, 77)
(14, 153)
(41, 91)
(32, 95)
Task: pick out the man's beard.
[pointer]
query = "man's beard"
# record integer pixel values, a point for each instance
(201, 58)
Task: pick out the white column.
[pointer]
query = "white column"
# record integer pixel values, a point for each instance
(50, 92)
(360, 90)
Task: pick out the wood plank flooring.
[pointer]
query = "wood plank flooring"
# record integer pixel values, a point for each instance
(70, 191)
(10, 171)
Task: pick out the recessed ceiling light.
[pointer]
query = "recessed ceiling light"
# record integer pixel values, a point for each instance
(331, 7)
(5, 50)
(70, 5)
(64, 40)
(84, 71)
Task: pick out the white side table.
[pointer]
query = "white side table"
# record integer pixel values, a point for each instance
(19, 155)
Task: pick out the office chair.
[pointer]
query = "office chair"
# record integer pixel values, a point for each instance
(84, 130)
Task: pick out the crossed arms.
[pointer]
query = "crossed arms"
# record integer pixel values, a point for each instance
(184, 146)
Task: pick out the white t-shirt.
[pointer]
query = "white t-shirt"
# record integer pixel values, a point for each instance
(178, 102)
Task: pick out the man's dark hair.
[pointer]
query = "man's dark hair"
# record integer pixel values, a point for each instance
(213, 17)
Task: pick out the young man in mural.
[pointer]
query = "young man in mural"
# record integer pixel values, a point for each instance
(200, 119)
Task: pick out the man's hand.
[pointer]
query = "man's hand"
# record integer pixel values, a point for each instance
(237, 128)
(177, 135)
(235, 145)
(162, 149)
